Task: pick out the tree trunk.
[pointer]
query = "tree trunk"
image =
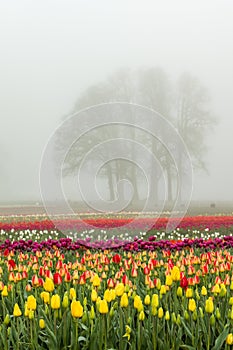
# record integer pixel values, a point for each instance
(110, 182)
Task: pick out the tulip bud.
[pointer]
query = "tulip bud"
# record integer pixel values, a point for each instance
(231, 314)
(92, 313)
(85, 301)
(186, 315)
(163, 290)
(65, 301)
(112, 312)
(179, 292)
(94, 295)
(174, 317)
(167, 316)
(141, 316)
(31, 314)
(160, 312)
(41, 323)
(223, 291)
(72, 293)
(155, 300)
(197, 294)
(6, 319)
(212, 320)
(178, 320)
(84, 318)
(195, 315)
(9, 331)
(154, 310)
(217, 313)
(201, 312)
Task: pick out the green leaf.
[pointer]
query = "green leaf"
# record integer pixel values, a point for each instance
(187, 330)
(81, 338)
(221, 338)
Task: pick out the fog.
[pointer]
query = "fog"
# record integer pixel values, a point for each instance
(52, 51)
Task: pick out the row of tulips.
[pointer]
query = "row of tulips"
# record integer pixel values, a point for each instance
(150, 244)
(56, 298)
(211, 222)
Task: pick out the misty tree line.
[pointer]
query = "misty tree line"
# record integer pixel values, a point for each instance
(184, 103)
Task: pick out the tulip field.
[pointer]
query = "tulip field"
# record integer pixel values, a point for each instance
(78, 289)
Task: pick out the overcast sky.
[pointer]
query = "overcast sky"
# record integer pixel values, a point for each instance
(52, 50)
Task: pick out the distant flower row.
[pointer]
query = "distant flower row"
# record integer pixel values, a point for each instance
(211, 222)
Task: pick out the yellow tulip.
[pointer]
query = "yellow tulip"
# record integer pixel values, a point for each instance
(45, 297)
(141, 316)
(7, 319)
(163, 289)
(92, 313)
(94, 295)
(203, 290)
(76, 309)
(128, 331)
(17, 312)
(103, 307)
(154, 310)
(223, 290)
(167, 316)
(96, 281)
(192, 305)
(65, 301)
(48, 285)
(209, 305)
(41, 323)
(179, 292)
(119, 289)
(31, 302)
(31, 314)
(147, 300)
(160, 312)
(138, 303)
(175, 273)
(26, 310)
(72, 293)
(5, 291)
(189, 293)
(124, 300)
(155, 300)
(229, 339)
(55, 302)
(168, 280)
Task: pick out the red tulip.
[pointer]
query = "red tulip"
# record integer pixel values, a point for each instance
(184, 282)
(57, 279)
(67, 277)
(116, 258)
